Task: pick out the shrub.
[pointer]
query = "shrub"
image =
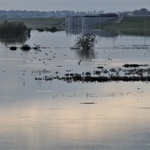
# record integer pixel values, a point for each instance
(13, 48)
(40, 29)
(26, 47)
(85, 42)
(53, 29)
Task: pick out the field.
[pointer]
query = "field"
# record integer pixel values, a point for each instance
(129, 25)
(35, 23)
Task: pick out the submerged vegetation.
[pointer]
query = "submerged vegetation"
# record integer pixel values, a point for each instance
(101, 74)
(85, 42)
(13, 48)
(133, 65)
(84, 46)
(25, 47)
(52, 29)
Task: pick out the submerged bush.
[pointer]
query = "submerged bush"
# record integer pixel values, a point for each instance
(85, 42)
(13, 48)
(26, 47)
(12, 27)
(52, 29)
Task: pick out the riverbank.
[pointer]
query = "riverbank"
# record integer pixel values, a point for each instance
(128, 25)
(36, 23)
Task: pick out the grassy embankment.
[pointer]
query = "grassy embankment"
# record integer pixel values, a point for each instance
(35, 23)
(129, 25)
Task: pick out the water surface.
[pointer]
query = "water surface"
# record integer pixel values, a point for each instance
(36, 114)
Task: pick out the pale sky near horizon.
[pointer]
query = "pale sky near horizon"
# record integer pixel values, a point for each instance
(76, 5)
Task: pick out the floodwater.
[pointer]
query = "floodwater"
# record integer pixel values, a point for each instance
(56, 115)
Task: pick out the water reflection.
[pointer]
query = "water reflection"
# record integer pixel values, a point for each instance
(40, 115)
(86, 55)
(113, 122)
(97, 32)
(14, 39)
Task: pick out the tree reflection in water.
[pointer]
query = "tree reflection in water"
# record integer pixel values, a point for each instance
(84, 46)
(9, 39)
(88, 55)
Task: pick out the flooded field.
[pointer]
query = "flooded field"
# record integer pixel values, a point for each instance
(41, 114)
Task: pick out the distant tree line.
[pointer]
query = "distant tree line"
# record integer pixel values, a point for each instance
(64, 13)
(140, 12)
(44, 14)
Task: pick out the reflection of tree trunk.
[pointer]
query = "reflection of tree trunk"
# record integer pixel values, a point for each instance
(88, 55)
(145, 28)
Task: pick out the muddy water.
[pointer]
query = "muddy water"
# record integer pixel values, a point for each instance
(38, 114)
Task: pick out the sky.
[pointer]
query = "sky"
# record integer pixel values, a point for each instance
(76, 5)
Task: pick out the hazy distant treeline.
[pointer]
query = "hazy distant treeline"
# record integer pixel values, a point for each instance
(140, 12)
(43, 14)
(64, 13)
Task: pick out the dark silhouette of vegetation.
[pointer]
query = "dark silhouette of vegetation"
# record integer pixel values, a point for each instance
(13, 32)
(133, 65)
(9, 39)
(37, 47)
(25, 47)
(86, 55)
(13, 48)
(80, 78)
(52, 29)
(105, 75)
(12, 28)
(85, 42)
